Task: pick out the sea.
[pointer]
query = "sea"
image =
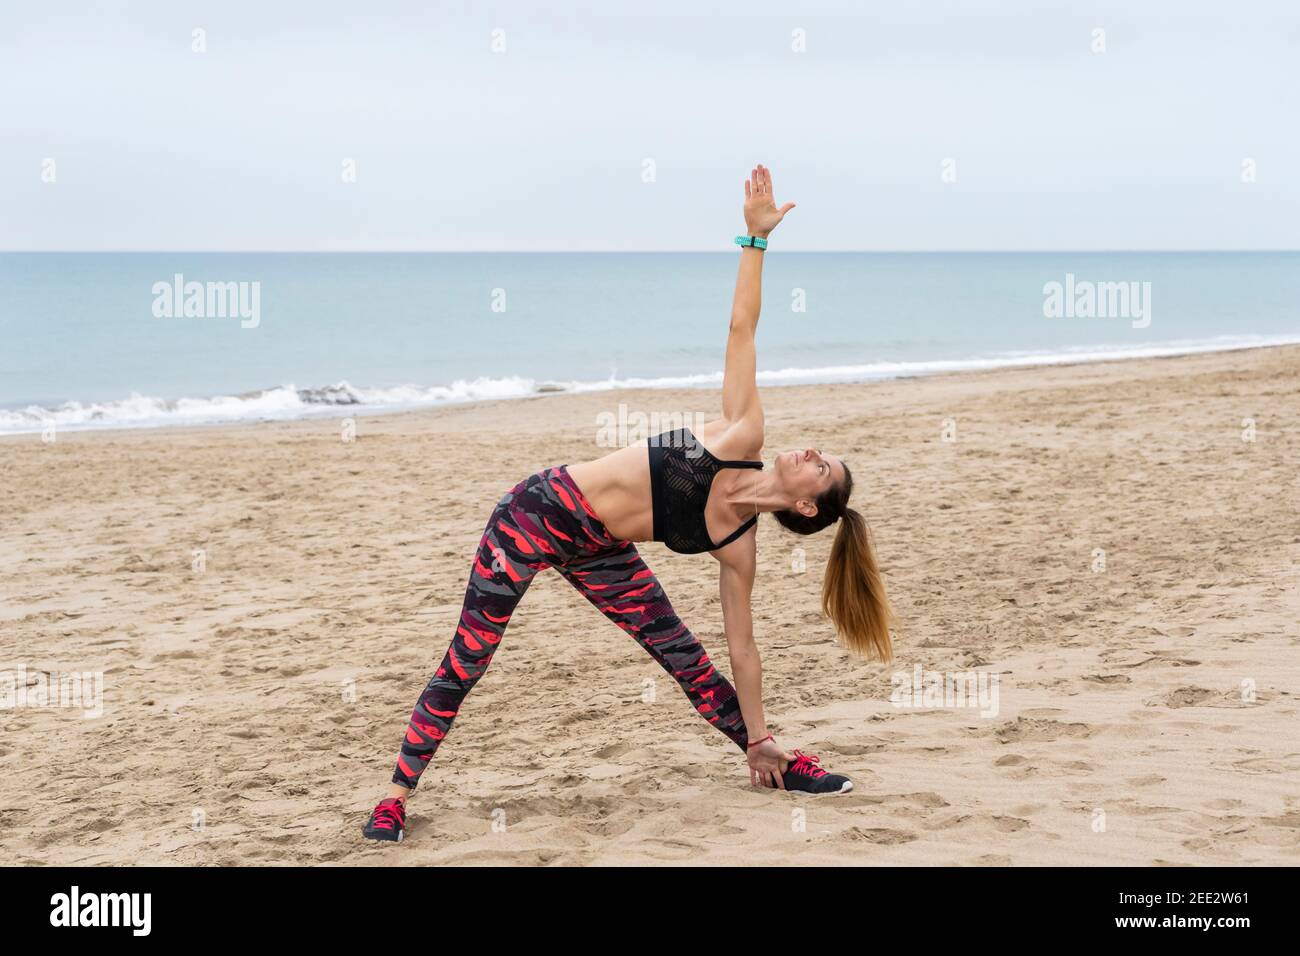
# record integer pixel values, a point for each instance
(138, 340)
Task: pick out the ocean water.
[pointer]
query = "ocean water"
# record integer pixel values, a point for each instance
(83, 343)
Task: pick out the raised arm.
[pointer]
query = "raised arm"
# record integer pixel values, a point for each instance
(739, 383)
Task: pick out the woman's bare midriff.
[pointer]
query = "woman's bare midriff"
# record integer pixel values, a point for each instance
(618, 487)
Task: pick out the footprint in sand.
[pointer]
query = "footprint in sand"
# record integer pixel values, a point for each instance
(857, 749)
(1185, 697)
(926, 799)
(613, 750)
(1225, 804)
(1141, 727)
(1287, 764)
(882, 836)
(1289, 820)
(1022, 729)
(1157, 660)
(1146, 780)
(1009, 824)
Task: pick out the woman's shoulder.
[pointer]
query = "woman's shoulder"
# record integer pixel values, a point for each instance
(742, 439)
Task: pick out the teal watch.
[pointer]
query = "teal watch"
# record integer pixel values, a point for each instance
(756, 241)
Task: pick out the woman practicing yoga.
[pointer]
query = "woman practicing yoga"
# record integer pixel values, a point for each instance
(687, 491)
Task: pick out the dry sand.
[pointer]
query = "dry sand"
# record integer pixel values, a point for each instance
(1146, 713)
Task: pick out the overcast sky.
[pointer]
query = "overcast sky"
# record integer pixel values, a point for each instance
(546, 144)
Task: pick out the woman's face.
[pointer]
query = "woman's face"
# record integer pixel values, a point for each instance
(808, 473)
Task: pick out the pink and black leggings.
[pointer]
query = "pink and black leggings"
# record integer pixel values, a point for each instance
(545, 522)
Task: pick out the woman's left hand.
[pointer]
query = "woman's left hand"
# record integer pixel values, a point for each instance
(761, 214)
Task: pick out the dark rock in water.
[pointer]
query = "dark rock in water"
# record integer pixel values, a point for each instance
(329, 395)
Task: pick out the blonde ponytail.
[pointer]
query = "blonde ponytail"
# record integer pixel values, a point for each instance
(853, 592)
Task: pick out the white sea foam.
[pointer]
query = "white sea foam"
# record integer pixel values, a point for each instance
(341, 399)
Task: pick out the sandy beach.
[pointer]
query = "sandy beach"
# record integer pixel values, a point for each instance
(1118, 544)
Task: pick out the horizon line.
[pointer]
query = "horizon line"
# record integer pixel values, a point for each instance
(389, 252)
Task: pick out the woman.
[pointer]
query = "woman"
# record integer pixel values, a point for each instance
(687, 491)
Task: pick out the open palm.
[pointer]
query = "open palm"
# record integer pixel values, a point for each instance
(761, 214)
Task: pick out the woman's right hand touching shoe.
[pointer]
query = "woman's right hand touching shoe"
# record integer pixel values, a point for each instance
(767, 763)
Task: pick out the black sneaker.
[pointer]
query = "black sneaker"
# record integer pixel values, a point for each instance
(387, 821)
(805, 774)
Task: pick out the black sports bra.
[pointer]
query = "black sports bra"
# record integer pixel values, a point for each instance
(681, 474)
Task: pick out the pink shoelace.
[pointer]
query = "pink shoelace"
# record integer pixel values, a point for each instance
(806, 764)
(388, 815)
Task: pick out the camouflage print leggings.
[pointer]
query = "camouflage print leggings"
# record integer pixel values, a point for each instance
(544, 521)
